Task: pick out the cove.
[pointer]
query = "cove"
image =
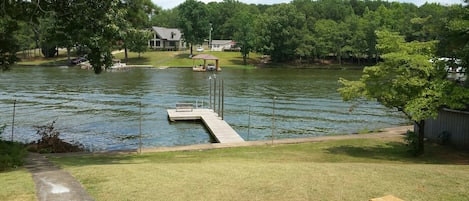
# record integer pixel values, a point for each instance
(102, 111)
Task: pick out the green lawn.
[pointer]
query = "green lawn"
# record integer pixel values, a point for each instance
(181, 59)
(157, 59)
(357, 169)
(17, 185)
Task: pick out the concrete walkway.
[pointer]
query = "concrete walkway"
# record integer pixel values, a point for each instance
(52, 183)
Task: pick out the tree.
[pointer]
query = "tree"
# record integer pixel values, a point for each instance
(280, 31)
(8, 43)
(193, 21)
(137, 40)
(459, 35)
(165, 18)
(137, 14)
(244, 34)
(407, 81)
(99, 27)
(48, 36)
(11, 13)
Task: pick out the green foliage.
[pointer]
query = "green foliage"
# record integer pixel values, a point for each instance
(280, 31)
(407, 81)
(8, 43)
(412, 140)
(2, 128)
(12, 155)
(303, 29)
(50, 141)
(137, 40)
(193, 22)
(244, 34)
(137, 12)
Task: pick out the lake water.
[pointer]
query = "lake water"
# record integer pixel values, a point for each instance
(103, 111)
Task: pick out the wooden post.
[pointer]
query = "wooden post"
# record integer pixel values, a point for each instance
(219, 98)
(13, 121)
(249, 121)
(214, 94)
(222, 98)
(273, 119)
(210, 92)
(140, 129)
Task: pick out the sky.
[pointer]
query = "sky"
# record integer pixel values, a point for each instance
(169, 4)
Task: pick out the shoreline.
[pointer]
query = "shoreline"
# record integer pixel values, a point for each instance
(392, 132)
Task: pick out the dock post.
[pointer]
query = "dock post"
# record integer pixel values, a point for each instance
(222, 98)
(210, 92)
(215, 94)
(273, 119)
(219, 97)
(140, 129)
(13, 121)
(249, 121)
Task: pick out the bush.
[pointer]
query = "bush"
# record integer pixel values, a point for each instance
(412, 140)
(12, 155)
(2, 128)
(50, 141)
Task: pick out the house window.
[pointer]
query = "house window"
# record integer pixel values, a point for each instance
(172, 43)
(158, 43)
(152, 43)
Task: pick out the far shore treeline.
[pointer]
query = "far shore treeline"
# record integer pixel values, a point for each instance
(302, 31)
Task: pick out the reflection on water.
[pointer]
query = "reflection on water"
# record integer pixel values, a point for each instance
(103, 111)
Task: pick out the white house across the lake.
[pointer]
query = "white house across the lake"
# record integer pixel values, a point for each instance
(166, 39)
(223, 45)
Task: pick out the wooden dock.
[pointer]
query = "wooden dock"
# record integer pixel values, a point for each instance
(219, 129)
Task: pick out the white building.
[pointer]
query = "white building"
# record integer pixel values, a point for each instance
(166, 39)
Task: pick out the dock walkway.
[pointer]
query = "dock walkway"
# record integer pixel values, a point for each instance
(219, 129)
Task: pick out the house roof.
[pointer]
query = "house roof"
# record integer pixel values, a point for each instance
(222, 42)
(168, 33)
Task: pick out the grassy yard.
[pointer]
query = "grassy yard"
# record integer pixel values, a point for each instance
(356, 169)
(181, 59)
(334, 170)
(17, 185)
(155, 58)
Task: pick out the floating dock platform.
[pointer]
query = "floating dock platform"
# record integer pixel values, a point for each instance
(219, 129)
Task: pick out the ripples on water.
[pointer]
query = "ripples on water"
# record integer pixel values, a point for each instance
(103, 111)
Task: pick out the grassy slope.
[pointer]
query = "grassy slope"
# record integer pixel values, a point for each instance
(17, 185)
(181, 59)
(157, 59)
(335, 170)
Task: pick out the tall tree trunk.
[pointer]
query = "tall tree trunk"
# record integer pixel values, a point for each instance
(421, 137)
(126, 55)
(191, 49)
(68, 55)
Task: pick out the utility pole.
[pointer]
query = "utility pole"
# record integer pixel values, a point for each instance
(210, 38)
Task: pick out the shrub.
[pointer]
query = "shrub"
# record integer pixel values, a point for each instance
(12, 155)
(412, 140)
(2, 128)
(50, 141)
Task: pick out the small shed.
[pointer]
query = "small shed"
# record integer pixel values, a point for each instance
(205, 58)
(454, 122)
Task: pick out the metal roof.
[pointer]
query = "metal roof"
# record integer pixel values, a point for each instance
(168, 33)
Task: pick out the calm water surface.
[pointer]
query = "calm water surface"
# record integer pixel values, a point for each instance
(103, 111)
